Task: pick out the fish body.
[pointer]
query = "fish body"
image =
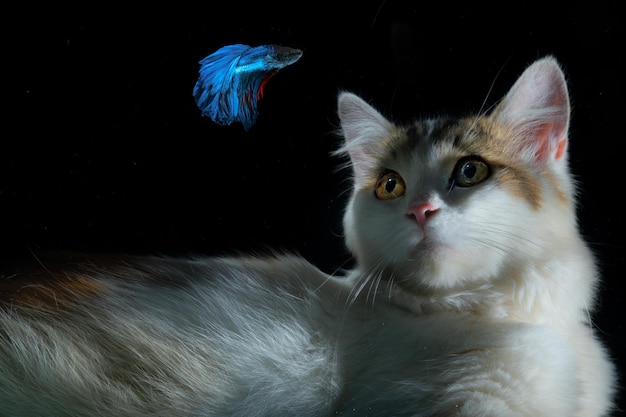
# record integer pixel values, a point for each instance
(232, 79)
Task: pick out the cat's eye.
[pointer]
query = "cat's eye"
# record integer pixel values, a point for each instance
(390, 185)
(469, 171)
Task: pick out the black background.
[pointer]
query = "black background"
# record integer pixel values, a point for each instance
(104, 149)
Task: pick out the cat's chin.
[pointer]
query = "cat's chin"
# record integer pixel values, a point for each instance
(436, 272)
(426, 252)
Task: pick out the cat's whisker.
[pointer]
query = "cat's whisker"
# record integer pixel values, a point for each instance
(373, 289)
(484, 110)
(356, 290)
(513, 233)
(388, 288)
(370, 280)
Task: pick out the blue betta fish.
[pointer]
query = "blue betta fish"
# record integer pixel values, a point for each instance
(232, 80)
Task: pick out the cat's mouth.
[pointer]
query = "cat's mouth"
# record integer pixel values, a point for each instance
(424, 246)
(420, 245)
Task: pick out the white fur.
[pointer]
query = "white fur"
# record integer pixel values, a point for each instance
(491, 319)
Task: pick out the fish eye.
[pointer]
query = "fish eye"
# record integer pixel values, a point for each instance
(469, 171)
(390, 185)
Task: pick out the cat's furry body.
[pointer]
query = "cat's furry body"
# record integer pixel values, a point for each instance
(471, 295)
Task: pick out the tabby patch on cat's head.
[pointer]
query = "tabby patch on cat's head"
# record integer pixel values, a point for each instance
(480, 136)
(523, 141)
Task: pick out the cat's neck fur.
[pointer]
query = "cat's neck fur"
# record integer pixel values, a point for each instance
(527, 294)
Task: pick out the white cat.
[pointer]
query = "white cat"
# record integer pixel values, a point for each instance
(471, 295)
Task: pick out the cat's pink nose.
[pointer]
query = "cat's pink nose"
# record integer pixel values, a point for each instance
(422, 212)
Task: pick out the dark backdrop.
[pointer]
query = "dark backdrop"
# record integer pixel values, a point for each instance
(104, 149)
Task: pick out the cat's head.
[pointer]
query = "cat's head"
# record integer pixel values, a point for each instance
(447, 201)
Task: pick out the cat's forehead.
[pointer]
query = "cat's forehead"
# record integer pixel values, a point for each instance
(433, 146)
(454, 137)
(425, 137)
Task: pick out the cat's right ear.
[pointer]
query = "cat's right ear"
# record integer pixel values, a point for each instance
(536, 111)
(364, 131)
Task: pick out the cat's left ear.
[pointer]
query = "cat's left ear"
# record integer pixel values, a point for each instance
(536, 111)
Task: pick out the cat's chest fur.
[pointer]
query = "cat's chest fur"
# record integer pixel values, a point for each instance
(458, 363)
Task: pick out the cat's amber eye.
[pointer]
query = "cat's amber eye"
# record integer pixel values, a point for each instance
(390, 185)
(469, 171)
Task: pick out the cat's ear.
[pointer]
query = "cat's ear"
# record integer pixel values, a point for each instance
(364, 131)
(536, 112)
